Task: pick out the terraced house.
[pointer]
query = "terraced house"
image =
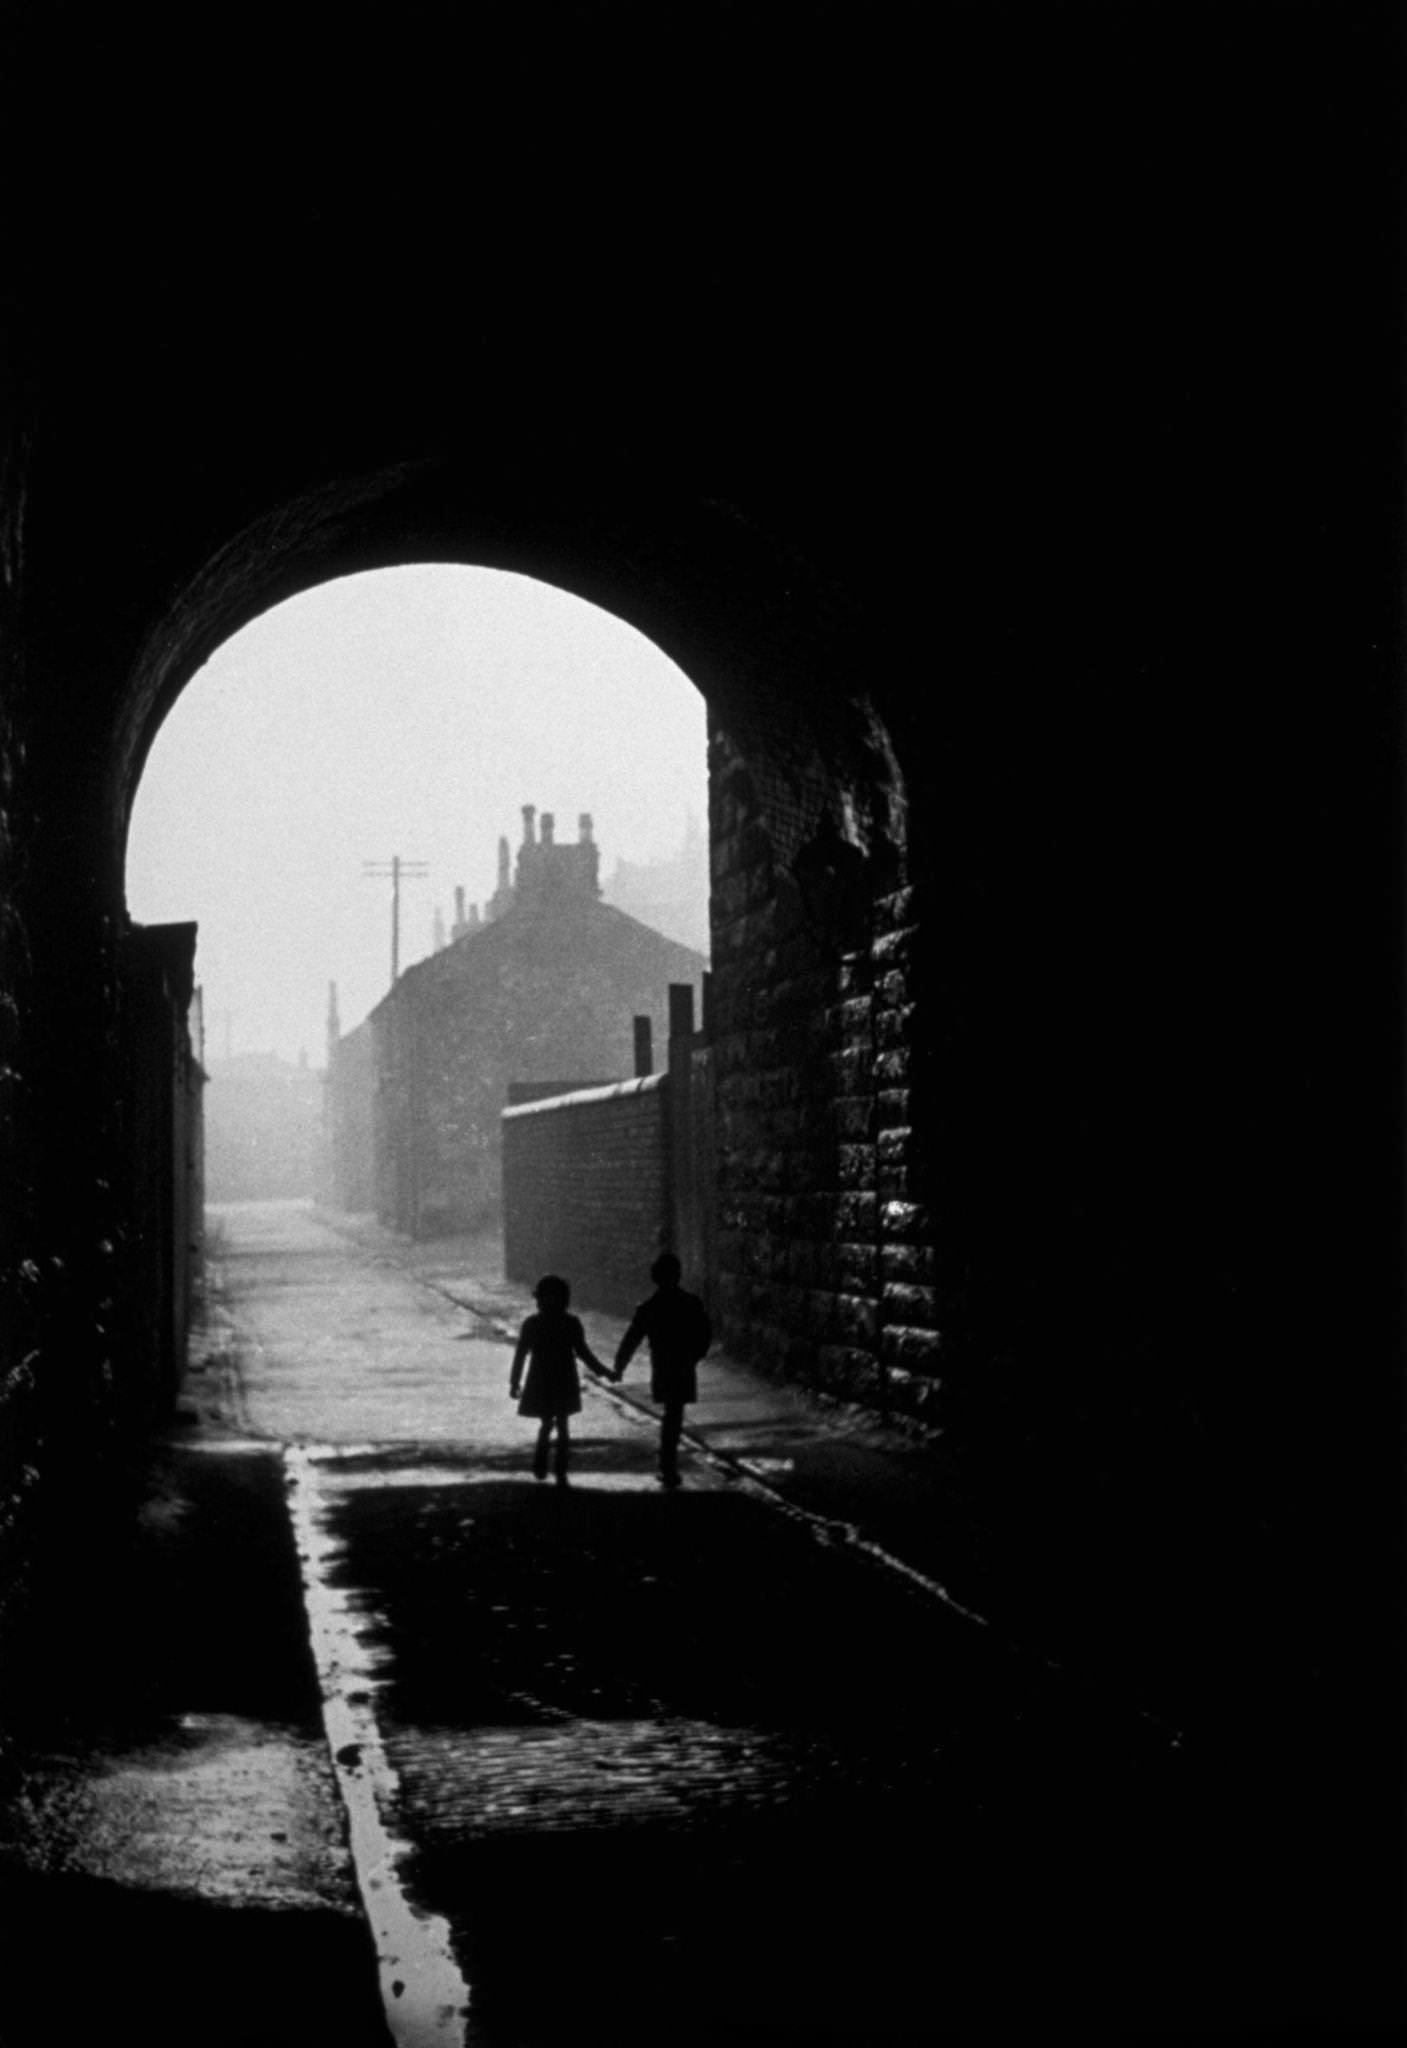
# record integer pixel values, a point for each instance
(536, 996)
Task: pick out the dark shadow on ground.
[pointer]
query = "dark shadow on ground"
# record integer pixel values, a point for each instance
(88, 1962)
(190, 1605)
(838, 1810)
(190, 1601)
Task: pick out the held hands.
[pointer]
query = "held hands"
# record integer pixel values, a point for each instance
(515, 1387)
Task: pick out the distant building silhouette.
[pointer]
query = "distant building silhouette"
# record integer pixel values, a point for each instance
(536, 995)
(669, 895)
(263, 1120)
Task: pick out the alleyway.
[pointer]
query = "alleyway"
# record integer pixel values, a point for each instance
(598, 1764)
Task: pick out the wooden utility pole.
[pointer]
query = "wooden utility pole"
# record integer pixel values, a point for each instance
(378, 870)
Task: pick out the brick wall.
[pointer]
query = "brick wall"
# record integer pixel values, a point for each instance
(586, 1190)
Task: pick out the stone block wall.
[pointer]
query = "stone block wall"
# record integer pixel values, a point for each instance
(163, 1099)
(586, 1190)
(19, 1132)
(826, 1257)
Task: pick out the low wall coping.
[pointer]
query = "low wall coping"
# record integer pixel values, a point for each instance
(641, 1084)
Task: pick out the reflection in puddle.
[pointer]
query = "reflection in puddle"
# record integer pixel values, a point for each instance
(380, 1473)
(595, 1774)
(424, 1996)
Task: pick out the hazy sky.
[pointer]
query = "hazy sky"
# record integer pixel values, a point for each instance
(411, 712)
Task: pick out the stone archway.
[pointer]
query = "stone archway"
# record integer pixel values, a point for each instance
(820, 1271)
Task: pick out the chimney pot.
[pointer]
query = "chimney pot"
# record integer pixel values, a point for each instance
(529, 813)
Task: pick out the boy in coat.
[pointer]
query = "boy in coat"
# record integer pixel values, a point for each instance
(677, 1327)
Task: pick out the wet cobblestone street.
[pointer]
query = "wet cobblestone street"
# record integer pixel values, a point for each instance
(671, 1763)
(784, 1781)
(598, 1763)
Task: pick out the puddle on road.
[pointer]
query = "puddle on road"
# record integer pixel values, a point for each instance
(377, 1472)
(424, 1996)
(220, 1809)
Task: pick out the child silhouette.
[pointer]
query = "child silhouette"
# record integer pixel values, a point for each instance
(677, 1327)
(550, 1343)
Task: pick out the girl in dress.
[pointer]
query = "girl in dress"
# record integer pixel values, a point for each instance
(550, 1343)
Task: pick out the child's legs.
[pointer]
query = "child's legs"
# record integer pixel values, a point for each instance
(564, 1444)
(544, 1434)
(671, 1427)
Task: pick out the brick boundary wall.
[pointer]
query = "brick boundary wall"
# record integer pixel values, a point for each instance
(586, 1190)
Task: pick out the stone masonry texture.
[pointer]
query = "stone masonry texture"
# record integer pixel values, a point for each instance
(812, 1040)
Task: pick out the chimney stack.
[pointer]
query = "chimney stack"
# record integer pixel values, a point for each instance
(529, 813)
(503, 862)
(681, 1010)
(549, 828)
(583, 828)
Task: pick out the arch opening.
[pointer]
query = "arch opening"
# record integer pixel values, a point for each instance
(356, 763)
(812, 1013)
